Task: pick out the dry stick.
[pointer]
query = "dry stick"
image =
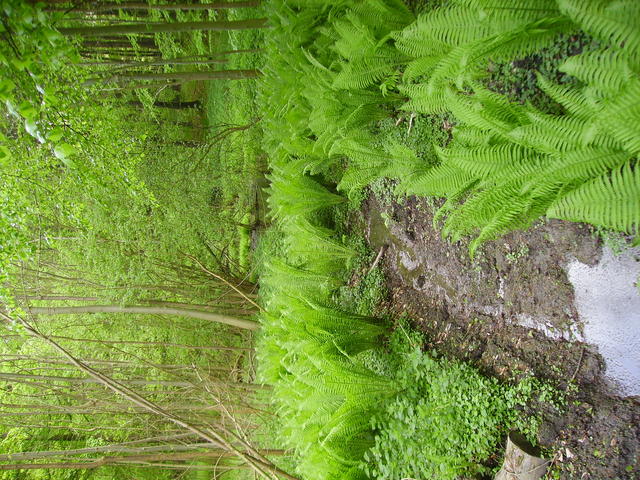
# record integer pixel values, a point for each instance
(209, 435)
(215, 275)
(241, 437)
(377, 260)
(24, 378)
(116, 448)
(119, 460)
(575, 373)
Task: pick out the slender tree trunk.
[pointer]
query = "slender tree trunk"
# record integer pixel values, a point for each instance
(167, 62)
(165, 27)
(142, 344)
(108, 7)
(220, 436)
(23, 377)
(174, 105)
(212, 317)
(129, 459)
(176, 76)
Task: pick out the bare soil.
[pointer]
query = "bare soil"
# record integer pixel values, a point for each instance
(511, 313)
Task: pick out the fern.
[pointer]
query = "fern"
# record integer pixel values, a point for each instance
(440, 181)
(611, 200)
(607, 70)
(574, 168)
(485, 162)
(616, 21)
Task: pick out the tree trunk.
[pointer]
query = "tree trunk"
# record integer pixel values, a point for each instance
(175, 104)
(215, 436)
(168, 61)
(212, 317)
(107, 7)
(176, 76)
(142, 344)
(165, 27)
(26, 378)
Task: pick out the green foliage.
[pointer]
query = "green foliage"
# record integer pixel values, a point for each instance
(365, 290)
(611, 201)
(446, 420)
(508, 164)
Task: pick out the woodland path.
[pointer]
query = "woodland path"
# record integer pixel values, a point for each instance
(513, 312)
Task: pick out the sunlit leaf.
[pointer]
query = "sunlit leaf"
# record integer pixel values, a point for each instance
(63, 151)
(32, 129)
(5, 154)
(55, 135)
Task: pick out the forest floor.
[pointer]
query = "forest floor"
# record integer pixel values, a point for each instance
(512, 312)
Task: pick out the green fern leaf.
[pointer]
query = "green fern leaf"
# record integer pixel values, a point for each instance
(613, 21)
(611, 201)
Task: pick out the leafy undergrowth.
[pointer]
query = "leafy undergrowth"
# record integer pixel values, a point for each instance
(335, 72)
(447, 420)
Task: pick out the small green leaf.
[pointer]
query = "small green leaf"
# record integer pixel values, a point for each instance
(27, 110)
(12, 108)
(32, 129)
(6, 87)
(51, 35)
(63, 151)
(55, 134)
(5, 154)
(50, 97)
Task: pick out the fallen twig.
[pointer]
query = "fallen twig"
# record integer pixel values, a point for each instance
(378, 258)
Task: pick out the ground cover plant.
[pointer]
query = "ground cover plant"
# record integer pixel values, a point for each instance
(334, 71)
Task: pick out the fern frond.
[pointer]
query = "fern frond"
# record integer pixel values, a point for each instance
(620, 116)
(507, 218)
(439, 181)
(613, 21)
(607, 70)
(419, 67)
(470, 136)
(490, 198)
(553, 135)
(575, 168)
(521, 40)
(292, 280)
(452, 202)
(611, 201)
(571, 98)
(385, 15)
(423, 99)
(484, 162)
(475, 113)
(314, 246)
(362, 73)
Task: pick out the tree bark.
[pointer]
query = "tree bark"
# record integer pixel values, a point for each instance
(176, 6)
(212, 317)
(142, 344)
(165, 27)
(176, 76)
(25, 378)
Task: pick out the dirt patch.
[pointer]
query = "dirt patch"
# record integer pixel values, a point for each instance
(511, 312)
